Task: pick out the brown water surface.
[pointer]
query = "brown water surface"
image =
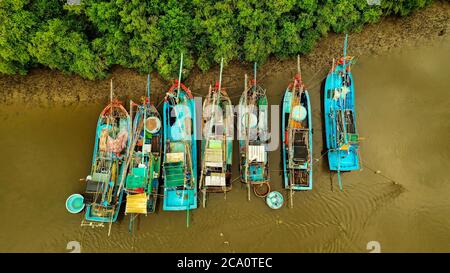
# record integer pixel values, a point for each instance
(403, 115)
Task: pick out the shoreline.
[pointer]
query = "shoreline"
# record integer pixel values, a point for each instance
(45, 87)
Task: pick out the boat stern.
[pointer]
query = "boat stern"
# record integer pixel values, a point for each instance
(343, 160)
(179, 199)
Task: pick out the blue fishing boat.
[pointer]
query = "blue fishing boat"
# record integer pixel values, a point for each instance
(297, 144)
(104, 190)
(142, 180)
(180, 148)
(217, 140)
(253, 135)
(342, 140)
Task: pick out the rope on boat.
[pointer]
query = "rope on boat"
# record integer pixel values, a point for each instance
(259, 185)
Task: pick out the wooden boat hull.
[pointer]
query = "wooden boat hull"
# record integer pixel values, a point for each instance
(302, 171)
(217, 142)
(340, 158)
(257, 145)
(107, 169)
(180, 151)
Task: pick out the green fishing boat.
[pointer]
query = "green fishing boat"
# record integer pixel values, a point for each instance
(142, 180)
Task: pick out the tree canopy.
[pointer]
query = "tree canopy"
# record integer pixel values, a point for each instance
(87, 39)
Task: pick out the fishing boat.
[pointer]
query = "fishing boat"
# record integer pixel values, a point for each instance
(217, 141)
(142, 180)
(342, 140)
(296, 124)
(104, 190)
(253, 137)
(180, 148)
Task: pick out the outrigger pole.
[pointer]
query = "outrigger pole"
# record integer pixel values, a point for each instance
(343, 120)
(178, 93)
(246, 140)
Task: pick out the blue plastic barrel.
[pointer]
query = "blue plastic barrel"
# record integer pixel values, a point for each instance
(299, 113)
(75, 203)
(274, 200)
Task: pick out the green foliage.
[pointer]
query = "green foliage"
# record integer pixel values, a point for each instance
(59, 46)
(16, 29)
(216, 30)
(150, 35)
(175, 25)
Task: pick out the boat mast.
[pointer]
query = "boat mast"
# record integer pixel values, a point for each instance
(111, 91)
(148, 87)
(345, 47)
(246, 137)
(179, 76)
(343, 99)
(254, 77)
(342, 119)
(144, 109)
(220, 75)
(202, 184)
(188, 152)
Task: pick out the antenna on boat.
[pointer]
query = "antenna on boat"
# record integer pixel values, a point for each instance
(111, 92)
(254, 76)
(179, 75)
(148, 87)
(220, 75)
(345, 48)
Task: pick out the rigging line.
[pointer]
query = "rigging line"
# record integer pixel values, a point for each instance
(316, 83)
(378, 172)
(235, 179)
(270, 70)
(159, 103)
(321, 156)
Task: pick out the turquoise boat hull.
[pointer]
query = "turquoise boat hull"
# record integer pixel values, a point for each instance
(341, 157)
(177, 194)
(95, 211)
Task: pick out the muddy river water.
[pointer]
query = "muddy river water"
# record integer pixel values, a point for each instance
(400, 198)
